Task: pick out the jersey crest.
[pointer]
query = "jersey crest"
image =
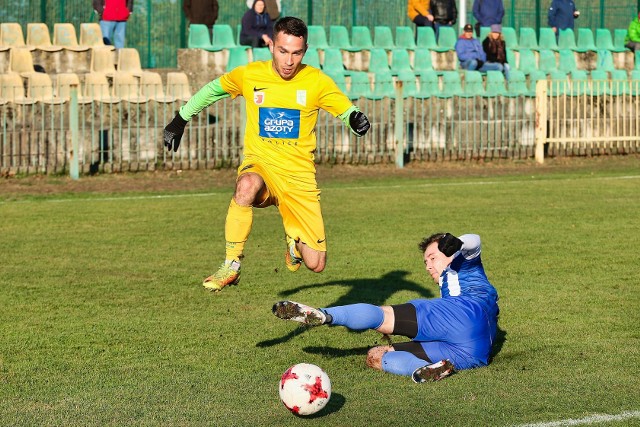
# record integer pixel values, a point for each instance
(281, 123)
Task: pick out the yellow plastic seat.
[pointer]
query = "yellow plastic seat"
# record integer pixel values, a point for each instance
(91, 36)
(127, 88)
(178, 86)
(129, 61)
(11, 36)
(40, 88)
(21, 61)
(102, 61)
(151, 87)
(63, 87)
(38, 37)
(12, 89)
(96, 87)
(64, 34)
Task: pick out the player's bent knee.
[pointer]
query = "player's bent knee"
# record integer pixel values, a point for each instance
(374, 356)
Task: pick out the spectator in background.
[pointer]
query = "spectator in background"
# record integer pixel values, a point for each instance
(274, 8)
(445, 13)
(113, 19)
(201, 12)
(419, 13)
(257, 27)
(469, 50)
(487, 13)
(632, 40)
(495, 50)
(562, 14)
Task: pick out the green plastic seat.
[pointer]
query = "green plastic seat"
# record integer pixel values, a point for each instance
(261, 54)
(558, 83)
(567, 61)
(527, 61)
(496, 85)
(339, 79)
(427, 38)
(333, 61)
(405, 38)
(361, 38)
(585, 42)
(547, 61)
(604, 41)
(484, 32)
(517, 84)
(383, 86)
(409, 86)
(383, 37)
(547, 39)
(199, 37)
(400, 61)
(619, 35)
(422, 60)
(223, 37)
(451, 85)
(339, 38)
(510, 37)
(567, 39)
(619, 83)
(428, 80)
(511, 57)
(528, 39)
(317, 37)
(599, 82)
(637, 60)
(635, 82)
(237, 57)
(447, 39)
(311, 57)
(605, 61)
(472, 84)
(378, 61)
(534, 77)
(579, 83)
(360, 85)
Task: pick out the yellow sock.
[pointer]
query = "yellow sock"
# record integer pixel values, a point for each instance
(236, 229)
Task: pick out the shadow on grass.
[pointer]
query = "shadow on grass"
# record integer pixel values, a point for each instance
(336, 402)
(369, 290)
(501, 338)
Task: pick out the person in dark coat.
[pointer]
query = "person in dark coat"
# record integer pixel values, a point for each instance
(203, 12)
(487, 13)
(562, 14)
(445, 13)
(257, 26)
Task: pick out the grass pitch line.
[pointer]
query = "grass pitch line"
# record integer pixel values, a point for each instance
(593, 419)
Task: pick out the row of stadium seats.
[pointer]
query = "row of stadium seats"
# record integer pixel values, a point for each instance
(95, 87)
(64, 37)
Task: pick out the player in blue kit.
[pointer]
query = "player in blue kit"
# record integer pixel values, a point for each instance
(455, 331)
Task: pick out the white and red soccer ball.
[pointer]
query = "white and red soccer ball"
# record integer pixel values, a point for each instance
(304, 389)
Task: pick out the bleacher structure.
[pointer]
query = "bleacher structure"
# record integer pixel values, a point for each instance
(447, 112)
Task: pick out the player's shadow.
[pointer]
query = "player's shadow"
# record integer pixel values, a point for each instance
(501, 338)
(368, 290)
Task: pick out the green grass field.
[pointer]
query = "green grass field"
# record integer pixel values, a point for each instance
(103, 321)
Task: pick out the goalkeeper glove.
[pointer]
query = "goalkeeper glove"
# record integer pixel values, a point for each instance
(173, 132)
(449, 244)
(359, 123)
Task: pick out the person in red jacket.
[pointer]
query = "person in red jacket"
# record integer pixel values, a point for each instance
(113, 19)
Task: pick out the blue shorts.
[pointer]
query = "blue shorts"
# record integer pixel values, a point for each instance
(455, 328)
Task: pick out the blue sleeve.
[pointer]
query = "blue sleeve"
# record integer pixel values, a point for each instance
(476, 10)
(552, 14)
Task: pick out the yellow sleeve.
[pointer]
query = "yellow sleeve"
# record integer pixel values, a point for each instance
(232, 81)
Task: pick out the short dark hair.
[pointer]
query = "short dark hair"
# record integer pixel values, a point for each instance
(292, 26)
(429, 240)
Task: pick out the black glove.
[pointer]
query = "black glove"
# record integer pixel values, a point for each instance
(173, 132)
(359, 122)
(449, 244)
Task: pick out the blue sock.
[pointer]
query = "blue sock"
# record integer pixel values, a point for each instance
(401, 363)
(356, 316)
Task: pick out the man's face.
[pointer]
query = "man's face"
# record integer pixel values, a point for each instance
(287, 52)
(468, 34)
(435, 261)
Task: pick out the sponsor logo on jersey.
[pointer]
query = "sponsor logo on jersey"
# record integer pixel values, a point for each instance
(283, 123)
(258, 98)
(301, 97)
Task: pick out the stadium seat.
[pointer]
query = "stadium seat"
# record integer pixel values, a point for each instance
(409, 86)
(599, 82)
(96, 87)
(333, 61)
(129, 61)
(64, 34)
(495, 84)
(619, 35)
(405, 38)
(38, 37)
(261, 54)
(102, 61)
(400, 61)
(361, 38)
(567, 39)
(534, 77)
(547, 39)
(64, 81)
(579, 83)
(378, 61)
(604, 41)
(383, 85)
(635, 82)
(311, 57)
(237, 57)
(427, 38)
(558, 83)
(317, 37)
(528, 39)
(585, 41)
(91, 35)
(126, 87)
(527, 61)
(511, 58)
(40, 88)
(21, 61)
(11, 36)
(605, 61)
(428, 80)
(178, 86)
(636, 60)
(360, 85)
(12, 89)
(383, 37)
(151, 87)
(422, 60)
(510, 37)
(567, 61)
(472, 84)
(223, 37)
(484, 32)
(451, 84)
(339, 79)
(517, 84)
(447, 39)
(547, 61)
(339, 38)
(619, 83)
(199, 38)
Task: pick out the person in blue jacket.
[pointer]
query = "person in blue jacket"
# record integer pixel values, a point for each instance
(562, 14)
(487, 13)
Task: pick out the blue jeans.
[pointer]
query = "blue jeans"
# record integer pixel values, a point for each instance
(114, 31)
(496, 66)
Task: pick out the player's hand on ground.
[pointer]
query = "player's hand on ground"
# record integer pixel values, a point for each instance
(173, 133)
(449, 244)
(359, 123)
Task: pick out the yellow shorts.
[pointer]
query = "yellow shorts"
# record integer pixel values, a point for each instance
(297, 200)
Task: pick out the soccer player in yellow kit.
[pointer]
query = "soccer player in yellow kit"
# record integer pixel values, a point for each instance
(283, 97)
